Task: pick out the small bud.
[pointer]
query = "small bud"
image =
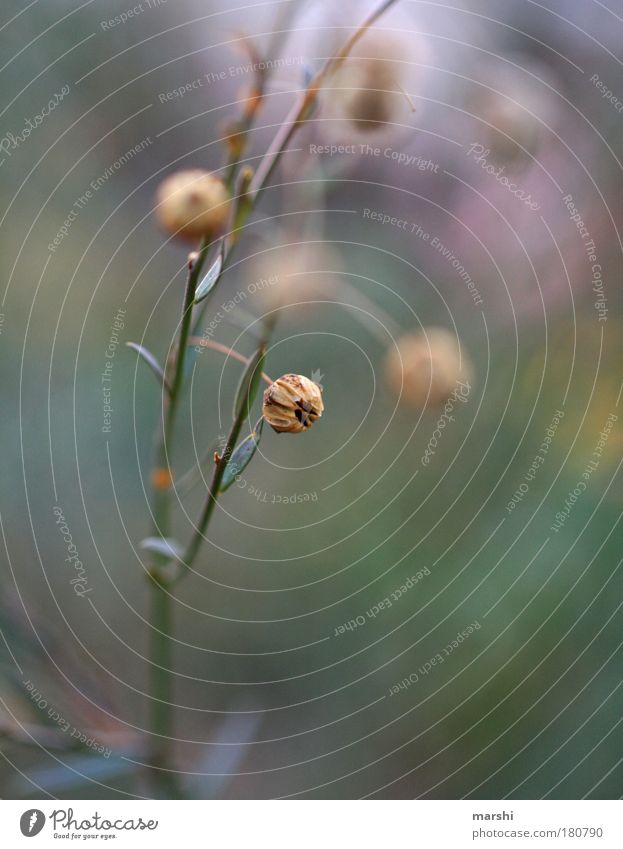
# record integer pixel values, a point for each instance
(423, 369)
(161, 479)
(292, 404)
(234, 138)
(193, 205)
(252, 99)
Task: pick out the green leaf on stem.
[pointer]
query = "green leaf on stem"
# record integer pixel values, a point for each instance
(210, 280)
(249, 383)
(152, 362)
(165, 546)
(241, 457)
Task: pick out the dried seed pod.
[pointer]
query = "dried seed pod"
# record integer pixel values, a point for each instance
(292, 404)
(424, 368)
(193, 205)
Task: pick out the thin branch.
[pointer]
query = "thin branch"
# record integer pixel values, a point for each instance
(223, 349)
(219, 470)
(301, 111)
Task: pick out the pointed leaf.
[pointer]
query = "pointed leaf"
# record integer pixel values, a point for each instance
(247, 388)
(209, 281)
(151, 361)
(165, 546)
(241, 457)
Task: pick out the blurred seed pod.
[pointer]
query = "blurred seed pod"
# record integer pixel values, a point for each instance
(292, 404)
(424, 368)
(193, 205)
(513, 132)
(516, 109)
(366, 93)
(295, 276)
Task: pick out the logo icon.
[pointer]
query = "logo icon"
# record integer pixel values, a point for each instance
(31, 822)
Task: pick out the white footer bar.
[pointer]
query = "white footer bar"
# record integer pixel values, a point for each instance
(313, 824)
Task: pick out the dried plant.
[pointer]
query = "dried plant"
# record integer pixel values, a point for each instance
(199, 205)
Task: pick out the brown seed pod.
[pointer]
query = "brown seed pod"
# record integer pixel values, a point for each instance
(423, 369)
(292, 404)
(193, 205)
(366, 89)
(364, 99)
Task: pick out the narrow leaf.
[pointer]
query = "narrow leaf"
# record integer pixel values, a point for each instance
(165, 546)
(241, 457)
(72, 772)
(248, 386)
(151, 361)
(209, 281)
(308, 75)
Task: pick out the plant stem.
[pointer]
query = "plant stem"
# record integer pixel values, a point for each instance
(161, 476)
(161, 684)
(219, 470)
(224, 349)
(161, 681)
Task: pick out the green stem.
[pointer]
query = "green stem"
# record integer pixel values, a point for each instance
(219, 470)
(161, 682)
(164, 779)
(161, 716)
(162, 476)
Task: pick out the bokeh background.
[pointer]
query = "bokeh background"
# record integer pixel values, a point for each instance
(272, 699)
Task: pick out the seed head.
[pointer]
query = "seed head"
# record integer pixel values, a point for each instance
(509, 128)
(366, 88)
(193, 205)
(292, 404)
(423, 368)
